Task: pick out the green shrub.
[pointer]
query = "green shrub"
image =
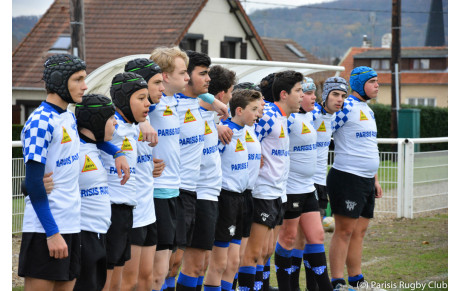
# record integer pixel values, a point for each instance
(16, 135)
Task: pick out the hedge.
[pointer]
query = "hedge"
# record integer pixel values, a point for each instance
(16, 135)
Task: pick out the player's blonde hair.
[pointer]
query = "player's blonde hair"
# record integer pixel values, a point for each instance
(165, 56)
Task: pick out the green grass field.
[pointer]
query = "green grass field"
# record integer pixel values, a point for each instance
(399, 251)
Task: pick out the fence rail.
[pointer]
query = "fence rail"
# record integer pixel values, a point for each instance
(412, 182)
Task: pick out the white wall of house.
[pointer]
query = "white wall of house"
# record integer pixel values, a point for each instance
(216, 21)
(439, 92)
(27, 95)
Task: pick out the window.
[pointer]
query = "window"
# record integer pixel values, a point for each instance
(421, 101)
(194, 42)
(62, 45)
(233, 48)
(378, 64)
(421, 64)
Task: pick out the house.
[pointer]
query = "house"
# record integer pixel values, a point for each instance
(287, 50)
(117, 28)
(423, 73)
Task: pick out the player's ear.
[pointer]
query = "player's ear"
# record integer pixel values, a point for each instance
(239, 110)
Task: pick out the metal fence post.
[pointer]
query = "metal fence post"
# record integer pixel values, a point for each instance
(409, 179)
(400, 182)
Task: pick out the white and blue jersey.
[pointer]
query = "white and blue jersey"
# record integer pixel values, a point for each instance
(355, 139)
(94, 190)
(209, 183)
(302, 150)
(323, 125)
(144, 213)
(254, 154)
(234, 156)
(124, 137)
(271, 130)
(165, 119)
(191, 141)
(52, 139)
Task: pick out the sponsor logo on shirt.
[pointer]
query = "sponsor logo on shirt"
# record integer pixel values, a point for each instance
(94, 191)
(167, 111)
(238, 167)
(189, 116)
(141, 137)
(126, 146)
(239, 146)
(89, 165)
(169, 131)
(282, 132)
(366, 134)
(191, 140)
(66, 161)
(207, 129)
(305, 129)
(362, 116)
(322, 127)
(65, 136)
(248, 137)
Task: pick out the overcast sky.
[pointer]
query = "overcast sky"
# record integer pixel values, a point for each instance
(39, 7)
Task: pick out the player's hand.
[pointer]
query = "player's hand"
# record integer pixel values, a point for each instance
(48, 181)
(220, 108)
(225, 134)
(148, 133)
(378, 190)
(57, 246)
(121, 163)
(261, 161)
(158, 167)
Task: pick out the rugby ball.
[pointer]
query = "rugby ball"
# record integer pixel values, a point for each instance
(328, 223)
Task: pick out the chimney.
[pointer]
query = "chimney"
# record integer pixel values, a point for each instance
(366, 42)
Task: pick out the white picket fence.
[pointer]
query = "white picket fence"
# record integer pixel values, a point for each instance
(413, 183)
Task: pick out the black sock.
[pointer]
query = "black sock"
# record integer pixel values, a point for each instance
(171, 284)
(246, 278)
(266, 276)
(316, 257)
(235, 281)
(258, 281)
(354, 281)
(336, 281)
(283, 263)
(309, 275)
(295, 268)
(199, 283)
(186, 283)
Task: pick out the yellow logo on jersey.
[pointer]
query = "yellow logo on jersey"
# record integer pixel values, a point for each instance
(65, 136)
(141, 137)
(168, 111)
(282, 132)
(248, 137)
(126, 145)
(189, 117)
(207, 129)
(89, 165)
(239, 146)
(322, 127)
(305, 129)
(362, 116)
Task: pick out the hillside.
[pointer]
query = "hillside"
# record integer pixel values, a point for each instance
(327, 30)
(21, 27)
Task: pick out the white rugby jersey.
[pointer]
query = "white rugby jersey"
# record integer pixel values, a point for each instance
(165, 119)
(191, 140)
(125, 137)
(52, 139)
(254, 154)
(94, 190)
(302, 150)
(234, 156)
(144, 213)
(272, 133)
(323, 125)
(210, 181)
(355, 139)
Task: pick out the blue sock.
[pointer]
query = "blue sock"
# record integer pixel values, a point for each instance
(227, 286)
(170, 282)
(246, 277)
(185, 282)
(212, 288)
(199, 283)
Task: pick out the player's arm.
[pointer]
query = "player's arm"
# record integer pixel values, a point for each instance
(47, 181)
(35, 173)
(158, 167)
(121, 163)
(224, 133)
(148, 133)
(217, 105)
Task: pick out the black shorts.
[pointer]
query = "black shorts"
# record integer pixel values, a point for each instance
(166, 213)
(144, 236)
(230, 222)
(205, 224)
(351, 195)
(185, 217)
(282, 212)
(300, 203)
(248, 212)
(93, 262)
(323, 198)
(118, 239)
(35, 260)
(268, 212)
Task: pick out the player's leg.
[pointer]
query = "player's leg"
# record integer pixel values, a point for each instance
(217, 264)
(32, 284)
(131, 269)
(233, 263)
(64, 286)
(355, 249)
(161, 263)
(283, 252)
(145, 279)
(192, 265)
